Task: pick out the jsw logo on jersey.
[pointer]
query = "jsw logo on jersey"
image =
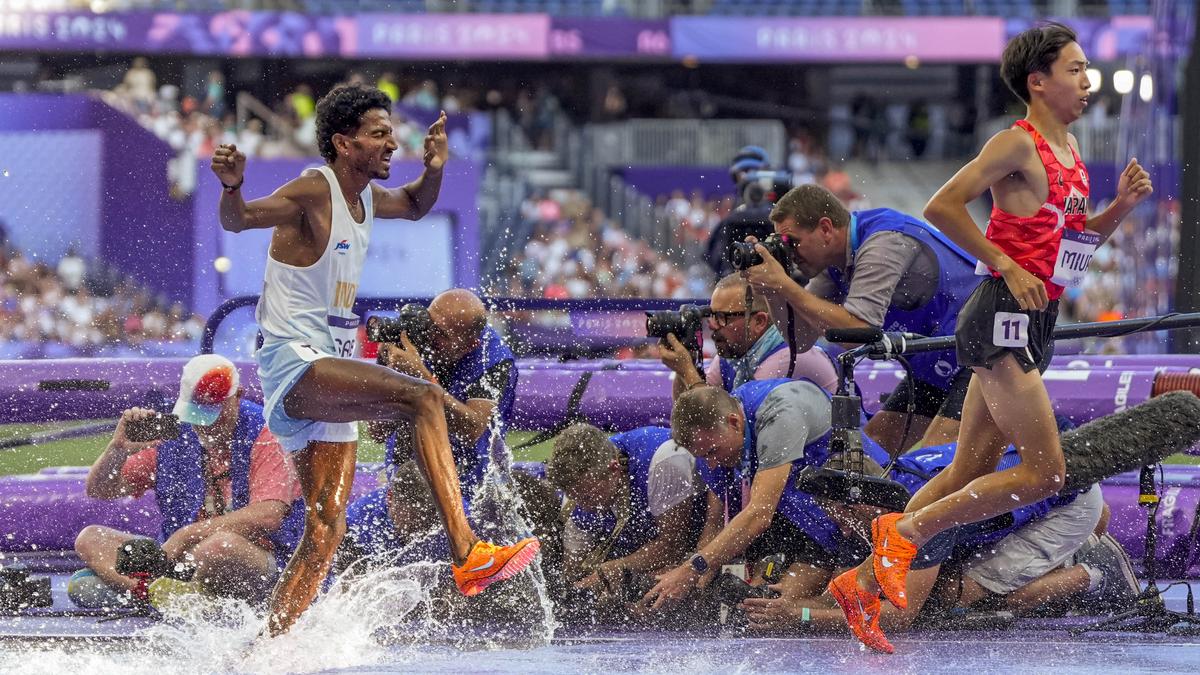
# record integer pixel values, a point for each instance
(342, 247)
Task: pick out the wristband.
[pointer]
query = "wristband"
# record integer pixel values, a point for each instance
(234, 188)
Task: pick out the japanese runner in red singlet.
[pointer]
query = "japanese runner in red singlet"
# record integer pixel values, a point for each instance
(1039, 240)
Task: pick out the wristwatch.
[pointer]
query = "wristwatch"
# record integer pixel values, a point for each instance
(698, 563)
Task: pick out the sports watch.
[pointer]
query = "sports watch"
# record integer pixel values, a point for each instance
(698, 563)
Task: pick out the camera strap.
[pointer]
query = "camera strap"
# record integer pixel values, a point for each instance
(790, 336)
(791, 340)
(572, 414)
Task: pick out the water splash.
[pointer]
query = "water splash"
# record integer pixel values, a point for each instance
(200, 634)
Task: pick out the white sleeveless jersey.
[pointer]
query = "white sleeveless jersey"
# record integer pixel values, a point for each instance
(315, 304)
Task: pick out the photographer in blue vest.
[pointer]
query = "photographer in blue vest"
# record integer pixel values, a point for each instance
(749, 346)
(751, 445)
(877, 268)
(456, 349)
(633, 502)
(1042, 554)
(228, 494)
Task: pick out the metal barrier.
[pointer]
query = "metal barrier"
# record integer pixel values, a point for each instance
(363, 305)
(680, 142)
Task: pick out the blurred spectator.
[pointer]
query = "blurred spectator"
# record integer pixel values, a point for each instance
(214, 94)
(424, 96)
(387, 84)
(71, 270)
(576, 251)
(302, 103)
(140, 83)
(81, 306)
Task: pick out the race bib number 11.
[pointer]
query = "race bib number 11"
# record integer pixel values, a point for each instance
(1010, 330)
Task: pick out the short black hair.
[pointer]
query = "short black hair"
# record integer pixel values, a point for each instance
(808, 204)
(340, 112)
(1033, 51)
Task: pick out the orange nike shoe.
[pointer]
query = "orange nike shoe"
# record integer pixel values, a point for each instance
(893, 556)
(862, 611)
(488, 563)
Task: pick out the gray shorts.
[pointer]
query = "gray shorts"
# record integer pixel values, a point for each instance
(1038, 547)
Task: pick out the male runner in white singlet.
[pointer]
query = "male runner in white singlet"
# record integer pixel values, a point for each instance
(315, 391)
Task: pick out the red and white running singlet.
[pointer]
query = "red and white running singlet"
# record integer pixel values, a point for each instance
(1052, 245)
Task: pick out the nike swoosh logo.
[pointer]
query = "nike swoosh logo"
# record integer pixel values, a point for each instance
(885, 562)
(484, 566)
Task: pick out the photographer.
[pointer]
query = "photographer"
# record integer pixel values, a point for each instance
(451, 345)
(753, 444)
(750, 170)
(1044, 554)
(633, 503)
(228, 493)
(874, 268)
(749, 346)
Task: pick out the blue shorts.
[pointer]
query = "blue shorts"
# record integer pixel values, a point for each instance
(281, 364)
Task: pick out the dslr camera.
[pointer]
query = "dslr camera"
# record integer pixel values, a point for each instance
(20, 591)
(413, 319)
(764, 186)
(742, 254)
(683, 324)
(145, 557)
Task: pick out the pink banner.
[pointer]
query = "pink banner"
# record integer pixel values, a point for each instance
(453, 36)
(838, 39)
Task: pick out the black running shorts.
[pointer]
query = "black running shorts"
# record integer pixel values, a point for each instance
(992, 324)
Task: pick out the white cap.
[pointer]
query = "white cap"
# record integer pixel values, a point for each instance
(208, 381)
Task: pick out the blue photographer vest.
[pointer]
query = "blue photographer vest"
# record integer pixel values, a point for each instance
(937, 317)
(729, 371)
(472, 460)
(732, 485)
(637, 447)
(916, 468)
(180, 487)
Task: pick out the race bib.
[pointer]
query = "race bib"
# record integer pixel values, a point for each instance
(307, 352)
(344, 330)
(1010, 330)
(1075, 252)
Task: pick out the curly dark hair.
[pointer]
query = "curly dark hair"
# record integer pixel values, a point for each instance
(1033, 51)
(340, 112)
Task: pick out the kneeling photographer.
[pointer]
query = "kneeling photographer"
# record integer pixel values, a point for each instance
(752, 444)
(448, 343)
(872, 268)
(229, 497)
(749, 346)
(633, 508)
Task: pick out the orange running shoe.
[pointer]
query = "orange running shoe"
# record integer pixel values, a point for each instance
(488, 563)
(862, 611)
(893, 556)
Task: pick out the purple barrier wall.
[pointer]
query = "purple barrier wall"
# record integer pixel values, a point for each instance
(1178, 555)
(143, 231)
(46, 511)
(623, 394)
(46, 390)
